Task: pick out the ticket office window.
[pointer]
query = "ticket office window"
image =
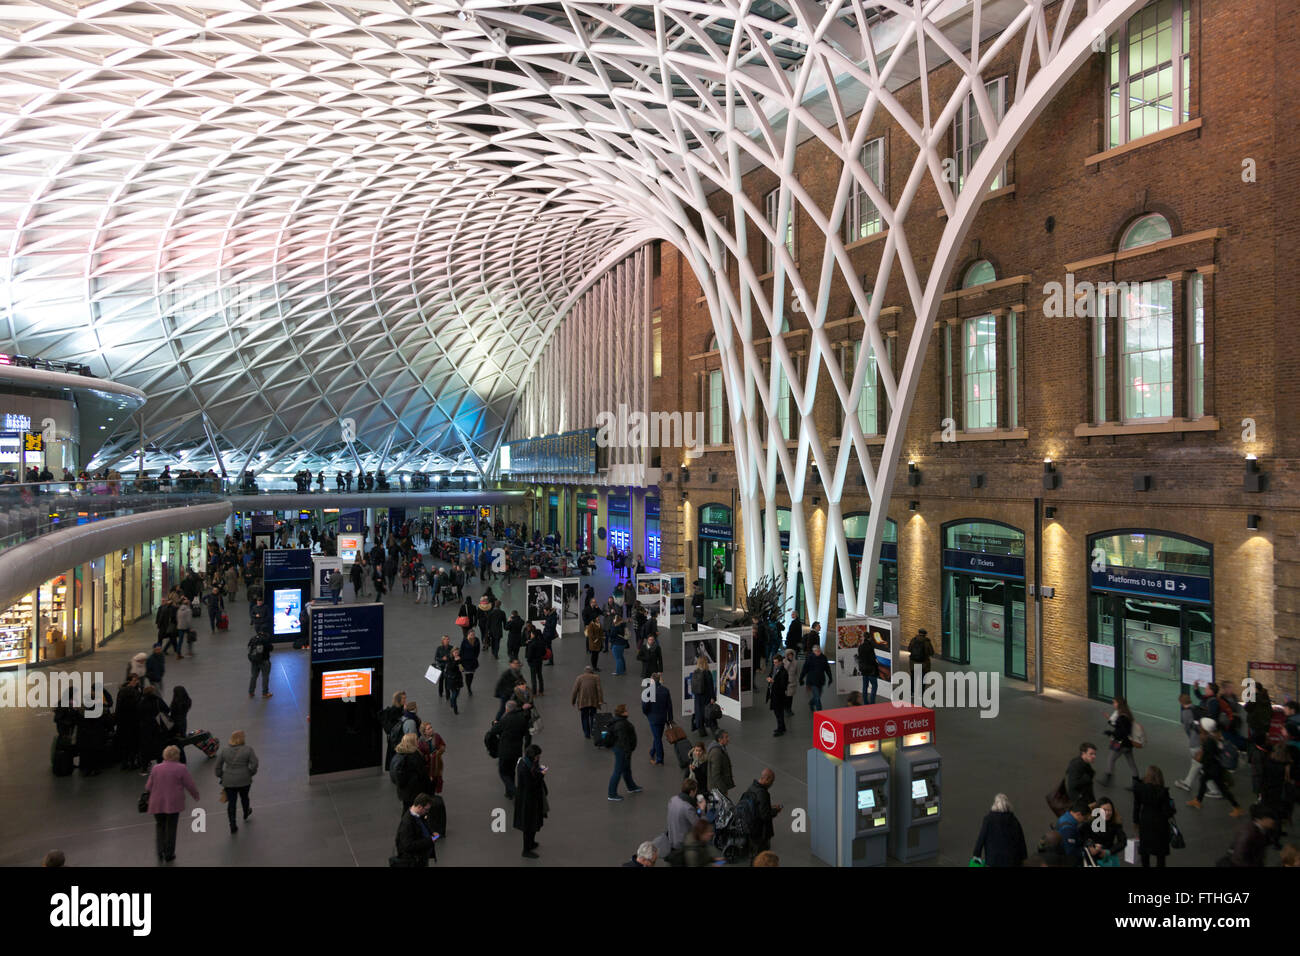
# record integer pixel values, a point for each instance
(620, 522)
(653, 536)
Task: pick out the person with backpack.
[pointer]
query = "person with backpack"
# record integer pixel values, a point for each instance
(703, 692)
(869, 668)
(408, 769)
(1216, 757)
(1121, 732)
(623, 743)
(259, 660)
(388, 717)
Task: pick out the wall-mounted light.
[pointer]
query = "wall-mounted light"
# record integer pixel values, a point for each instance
(1256, 481)
(914, 506)
(1252, 522)
(1049, 513)
(668, 476)
(686, 475)
(1141, 482)
(913, 474)
(685, 494)
(816, 501)
(977, 479)
(713, 477)
(1051, 480)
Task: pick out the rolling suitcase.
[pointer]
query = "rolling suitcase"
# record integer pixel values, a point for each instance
(61, 757)
(223, 622)
(599, 724)
(204, 741)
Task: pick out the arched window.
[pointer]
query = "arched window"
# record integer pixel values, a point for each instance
(713, 344)
(978, 273)
(1145, 230)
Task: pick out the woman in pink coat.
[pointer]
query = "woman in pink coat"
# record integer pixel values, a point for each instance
(166, 787)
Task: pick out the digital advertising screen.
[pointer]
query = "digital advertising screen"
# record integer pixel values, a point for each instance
(349, 546)
(349, 684)
(286, 612)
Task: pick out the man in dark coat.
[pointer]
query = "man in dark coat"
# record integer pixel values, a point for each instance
(624, 735)
(869, 668)
(530, 798)
(761, 810)
(778, 685)
(651, 657)
(515, 634)
(1253, 839)
(794, 632)
(659, 712)
(1079, 774)
(493, 622)
(550, 631)
(512, 727)
(816, 674)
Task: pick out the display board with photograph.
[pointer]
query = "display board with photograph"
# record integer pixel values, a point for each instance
(571, 595)
(542, 595)
(881, 633)
(693, 647)
(672, 598)
(735, 656)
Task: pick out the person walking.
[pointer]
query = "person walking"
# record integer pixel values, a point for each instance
(467, 615)
(510, 678)
(618, 645)
(1192, 727)
(588, 697)
(704, 692)
(530, 798)
(1079, 775)
(550, 631)
(815, 675)
(511, 729)
(624, 736)
(791, 665)
(493, 624)
(1153, 809)
(214, 603)
(236, 765)
(167, 785)
(658, 710)
(651, 657)
(453, 679)
(432, 747)
(259, 660)
(869, 668)
(1001, 840)
(155, 666)
(762, 811)
(470, 648)
(794, 632)
(595, 640)
(441, 658)
(415, 842)
(778, 687)
(336, 585)
(720, 777)
(921, 653)
(514, 635)
(535, 654)
(1120, 732)
(1212, 769)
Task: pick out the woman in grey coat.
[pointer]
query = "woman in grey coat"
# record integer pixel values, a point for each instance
(236, 765)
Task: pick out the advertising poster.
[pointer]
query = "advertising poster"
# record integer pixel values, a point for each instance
(541, 595)
(729, 670)
(325, 565)
(286, 612)
(571, 595)
(648, 589)
(691, 650)
(850, 634)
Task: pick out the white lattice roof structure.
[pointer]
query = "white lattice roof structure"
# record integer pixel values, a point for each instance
(270, 215)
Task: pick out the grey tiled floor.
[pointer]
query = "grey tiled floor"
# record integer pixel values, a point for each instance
(352, 822)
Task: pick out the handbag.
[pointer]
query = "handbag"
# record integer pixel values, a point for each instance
(1176, 839)
(1059, 799)
(143, 803)
(462, 621)
(673, 733)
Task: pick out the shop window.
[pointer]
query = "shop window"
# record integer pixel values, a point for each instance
(1149, 72)
(862, 218)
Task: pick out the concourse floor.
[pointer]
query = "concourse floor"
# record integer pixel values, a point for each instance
(94, 820)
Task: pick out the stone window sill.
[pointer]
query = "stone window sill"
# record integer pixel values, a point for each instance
(1142, 141)
(993, 434)
(1208, 423)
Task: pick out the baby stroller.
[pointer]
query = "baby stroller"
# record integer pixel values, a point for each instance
(730, 829)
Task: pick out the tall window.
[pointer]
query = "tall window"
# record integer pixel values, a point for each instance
(969, 134)
(947, 371)
(715, 407)
(980, 372)
(1147, 350)
(772, 205)
(783, 401)
(863, 219)
(1149, 63)
(657, 344)
(1196, 346)
(1013, 368)
(868, 409)
(1099, 361)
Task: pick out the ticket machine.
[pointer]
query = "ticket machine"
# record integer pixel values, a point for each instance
(852, 798)
(918, 798)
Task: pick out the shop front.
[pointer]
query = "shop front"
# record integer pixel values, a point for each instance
(619, 509)
(717, 552)
(1150, 617)
(983, 591)
(855, 535)
(587, 510)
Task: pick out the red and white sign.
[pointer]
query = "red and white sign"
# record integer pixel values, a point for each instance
(838, 729)
(1269, 666)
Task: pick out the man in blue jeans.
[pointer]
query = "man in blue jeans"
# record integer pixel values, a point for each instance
(816, 672)
(657, 705)
(624, 735)
(869, 668)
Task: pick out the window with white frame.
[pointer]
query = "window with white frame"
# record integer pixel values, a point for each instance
(1149, 64)
(1146, 324)
(772, 207)
(868, 408)
(1013, 370)
(862, 218)
(783, 401)
(657, 345)
(970, 136)
(716, 431)
(1196, 346)
(947, 371)
(1099, 361)
(980, 372)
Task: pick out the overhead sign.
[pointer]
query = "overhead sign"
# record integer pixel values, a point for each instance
(717, 532)
(981, 562)
(350, 521)
(33, 441)
(572, 453)
(286, 564)
(1167, 585)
